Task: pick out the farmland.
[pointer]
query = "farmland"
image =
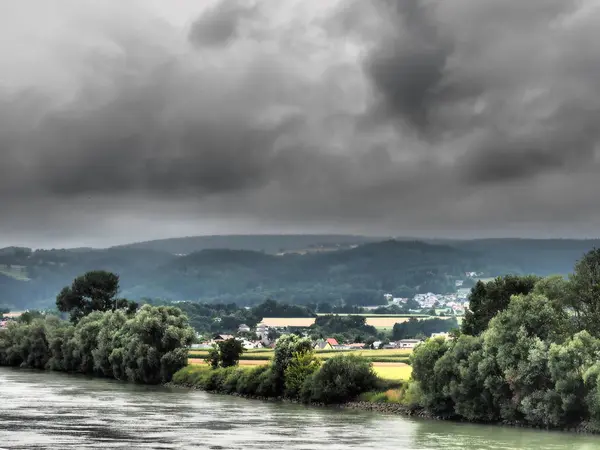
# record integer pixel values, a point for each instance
(16, 272)
(380, 321)
(389, 364)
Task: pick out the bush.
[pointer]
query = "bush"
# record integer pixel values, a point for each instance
(267, 384)
(231, 381)
(340, 379)
(148, 347)
(299, 368)
(249, 381)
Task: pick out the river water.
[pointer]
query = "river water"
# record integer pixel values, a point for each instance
(57, 411)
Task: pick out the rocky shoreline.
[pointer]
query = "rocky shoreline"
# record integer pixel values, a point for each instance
(399, 409)
(388, 408)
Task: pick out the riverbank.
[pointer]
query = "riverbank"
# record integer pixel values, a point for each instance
(391, 408)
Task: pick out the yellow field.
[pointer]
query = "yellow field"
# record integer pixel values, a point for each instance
(243, 362)
(388, 371)
(379, 322)
(326, 354)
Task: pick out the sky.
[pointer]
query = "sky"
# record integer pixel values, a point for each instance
(131, 120)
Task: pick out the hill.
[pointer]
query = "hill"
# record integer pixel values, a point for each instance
(272, 244)
(353, 275)
(537, 256)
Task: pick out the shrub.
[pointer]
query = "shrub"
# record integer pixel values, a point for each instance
(250, 379)
(287, 346)
(231, 381)
(267, 384)
(340, 379)
(299, 368)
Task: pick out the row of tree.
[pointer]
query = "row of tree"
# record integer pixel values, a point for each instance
(105, 336)
(529, 353)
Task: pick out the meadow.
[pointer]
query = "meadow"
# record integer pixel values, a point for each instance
(18, 273)
(379, 321)
(390, 364)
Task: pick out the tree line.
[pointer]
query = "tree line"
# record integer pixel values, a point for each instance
(105, 336)
(528, 352)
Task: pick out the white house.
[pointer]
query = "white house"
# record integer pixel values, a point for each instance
(243, 328)
(408, 343)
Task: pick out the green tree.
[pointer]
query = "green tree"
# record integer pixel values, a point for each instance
(487, 299)
(302, 366)
(287, 346)
(213, 357)
(93, 291)
(423, 361)
(584, 293)
(340, 379)
(230, 351)
(225, 353)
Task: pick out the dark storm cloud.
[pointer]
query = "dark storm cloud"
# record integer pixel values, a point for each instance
(220, 25)
(447, 71)
(407, 67)
(388, 117)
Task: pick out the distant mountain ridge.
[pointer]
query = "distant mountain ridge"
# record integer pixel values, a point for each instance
(355, 270)
(267, 243)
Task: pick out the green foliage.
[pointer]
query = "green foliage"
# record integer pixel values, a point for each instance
(584, 293)
(213, 357)
(340, 379)
(343, 328)
(93, 291)
(294, 373)
(145, 348)
(225, 354)
(226, 318)
(348, 277)
(287, 346)
(415, 327)
(527, 365)
(487, 299)
(301, 366)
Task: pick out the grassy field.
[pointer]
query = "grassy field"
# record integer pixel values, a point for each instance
(391, 355)
(388, 372)
(380, 321)
(385, 370)
(388, 364)
(16, 273)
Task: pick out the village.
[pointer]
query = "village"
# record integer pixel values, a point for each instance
(267, 338)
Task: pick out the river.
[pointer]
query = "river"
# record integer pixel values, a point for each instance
(56, 411)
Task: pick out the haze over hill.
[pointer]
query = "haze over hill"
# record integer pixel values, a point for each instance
(257, 242)
(353, 271)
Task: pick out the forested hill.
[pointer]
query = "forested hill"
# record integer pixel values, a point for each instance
(272, 244)
(358, 274)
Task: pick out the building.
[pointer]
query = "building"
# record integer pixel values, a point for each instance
(261, 328)
(322, 344)
(357, 346)
(243, 328)
(408, 343)
(222, 337)
(331, 341)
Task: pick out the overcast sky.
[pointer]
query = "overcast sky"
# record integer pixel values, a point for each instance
(130, 120)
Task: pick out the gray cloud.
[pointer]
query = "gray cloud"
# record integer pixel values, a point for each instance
(474, 117)
(220, 25)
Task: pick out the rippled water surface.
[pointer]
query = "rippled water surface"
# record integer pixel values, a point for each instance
(56, 411)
